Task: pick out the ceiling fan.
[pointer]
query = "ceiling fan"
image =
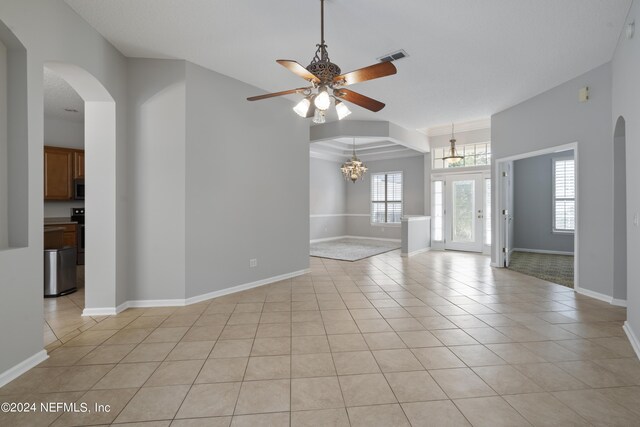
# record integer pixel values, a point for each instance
(327, 81)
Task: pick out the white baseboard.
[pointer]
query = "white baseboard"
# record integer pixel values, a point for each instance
(593, 294)
(244, 287)
(100, 311)
(327, 239)
(22, 367)
(416, 252)
(188, 301)
(373, 238)
(633, 338)
(541, 251)
(619, 302)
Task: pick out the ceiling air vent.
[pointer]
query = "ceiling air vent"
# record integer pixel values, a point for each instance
(393, 56)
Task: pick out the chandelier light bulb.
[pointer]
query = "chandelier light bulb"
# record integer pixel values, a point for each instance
(322, 101)
(302, 107)
(318, 116)
(342, 110)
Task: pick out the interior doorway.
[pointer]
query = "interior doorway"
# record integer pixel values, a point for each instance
(619, 213)
(100, 181)
(537, 214)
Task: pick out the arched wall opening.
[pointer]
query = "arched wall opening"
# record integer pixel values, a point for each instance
(619, 213)
(100, 182)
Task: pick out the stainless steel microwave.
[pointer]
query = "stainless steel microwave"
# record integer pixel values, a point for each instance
(78, 189)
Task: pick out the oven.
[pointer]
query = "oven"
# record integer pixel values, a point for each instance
(77, 214)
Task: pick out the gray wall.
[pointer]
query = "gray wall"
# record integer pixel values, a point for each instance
(533, 205)
(554, 118)
(63, 133)
(247, 185)
(49, 30)
(626, 103)
(156, 156)
(620, 212)
(328, 200)
(4, 212)
(359, 196)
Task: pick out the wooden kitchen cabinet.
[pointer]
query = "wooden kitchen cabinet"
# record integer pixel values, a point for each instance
(69, 232)
(70, 236)
(78, 164)
(58, 173)
(61, 167)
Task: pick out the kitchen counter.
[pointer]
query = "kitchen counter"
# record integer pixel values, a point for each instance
(58, 221)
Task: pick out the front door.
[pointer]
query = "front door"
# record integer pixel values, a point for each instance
(464, 212)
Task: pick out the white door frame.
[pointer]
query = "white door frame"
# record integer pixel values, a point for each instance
(499, 204)
(442, 175)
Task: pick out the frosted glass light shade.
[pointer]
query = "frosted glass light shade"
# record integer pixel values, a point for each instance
(322, 101)
(302, 107)
(342, 110)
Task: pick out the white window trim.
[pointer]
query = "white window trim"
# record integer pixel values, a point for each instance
(461, 168)
(385, 224)
(554, 230)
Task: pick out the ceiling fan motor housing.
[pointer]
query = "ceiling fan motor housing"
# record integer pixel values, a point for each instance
(324, 70)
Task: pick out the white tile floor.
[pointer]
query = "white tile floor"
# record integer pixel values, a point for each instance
(437, 339)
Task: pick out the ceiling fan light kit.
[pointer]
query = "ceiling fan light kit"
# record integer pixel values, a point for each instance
(327, 82)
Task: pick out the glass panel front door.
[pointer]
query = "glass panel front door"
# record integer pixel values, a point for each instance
(464, 215)
(463, 222)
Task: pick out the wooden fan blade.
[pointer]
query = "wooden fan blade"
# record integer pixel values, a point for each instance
(371, 72)
(284, 92)
(298, 69)
(358, 99)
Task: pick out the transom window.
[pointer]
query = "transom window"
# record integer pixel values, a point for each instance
(564, 195)
(474, 155)
(386, 197)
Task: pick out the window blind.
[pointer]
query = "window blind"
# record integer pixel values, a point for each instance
(386, 197)
(564, 201)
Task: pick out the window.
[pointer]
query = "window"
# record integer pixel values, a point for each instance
(564, 195)
(474, 155)
(438, 211)
(386, 197)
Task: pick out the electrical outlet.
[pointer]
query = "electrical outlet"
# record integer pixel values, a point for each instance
(253, 262)
(635, 219)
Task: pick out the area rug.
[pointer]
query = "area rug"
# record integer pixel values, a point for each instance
(349, 249)
(552, 268)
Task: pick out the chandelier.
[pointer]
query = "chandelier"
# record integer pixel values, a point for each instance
(453, 155)
(353, 169)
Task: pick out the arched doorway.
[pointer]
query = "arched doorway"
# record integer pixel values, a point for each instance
(100, 180)
(619, 214)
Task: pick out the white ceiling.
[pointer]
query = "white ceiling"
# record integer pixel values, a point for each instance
(468, 58)
(58, 96)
